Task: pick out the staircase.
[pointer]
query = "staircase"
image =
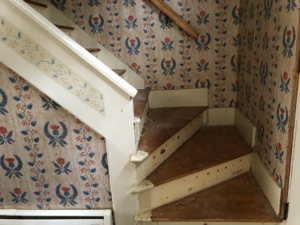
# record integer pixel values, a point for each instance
(185, 166)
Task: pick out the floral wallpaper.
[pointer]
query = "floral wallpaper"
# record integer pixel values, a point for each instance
(48, 158)
(160, 52)
(267, 62)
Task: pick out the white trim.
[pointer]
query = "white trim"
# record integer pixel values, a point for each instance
(8, 212)
(178, 98)
(75, 47)
(182, 187)
(267, 182)
(220, 116)
(207, 223)
(51, 222)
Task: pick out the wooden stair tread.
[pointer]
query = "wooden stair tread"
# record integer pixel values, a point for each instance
(93, 49)
(237, 200)
(139, 102)
(120, 72)
(163, 123)
(36, 3)
(64, 27)
(208, 147)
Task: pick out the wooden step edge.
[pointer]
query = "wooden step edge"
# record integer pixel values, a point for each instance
(36, 4)
(91, 50)
(140, 101)
(120, 72)
(64, 27)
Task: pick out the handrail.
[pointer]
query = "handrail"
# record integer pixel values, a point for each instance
(75, 47)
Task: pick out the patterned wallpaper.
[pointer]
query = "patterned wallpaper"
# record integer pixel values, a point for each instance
(161, 53)
(47, 156)
(267, 60)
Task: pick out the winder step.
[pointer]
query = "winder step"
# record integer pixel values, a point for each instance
(163, 123)
(140, 101)
(237, 200)
(209, 147)
(120, 72)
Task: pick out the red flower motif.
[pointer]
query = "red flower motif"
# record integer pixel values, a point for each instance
(202, 13)
(3, 130)
(266, 35)
(202, 61)
(167, 40)
(277, 176)
(169, 85)
(260, 126)
(262, 98)
(238, 36)
(238, 9)
(65, 189)
(248, 87)
(264, 66)
(289, 33)
(132, 40)
(167, 62)
(282, 110)
(130, 18)
(202, 37)
(285, 75)
(17, 191)
(236, 82)
(46, 96)
(134, 65)
(249, 63)
(95, 18)
(10, 160)
(250, 33)
(252, 6)
(279, 146)
(60, 161)
(54, 127)
(202, 82)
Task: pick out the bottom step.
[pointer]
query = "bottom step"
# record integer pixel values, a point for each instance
(237, 200)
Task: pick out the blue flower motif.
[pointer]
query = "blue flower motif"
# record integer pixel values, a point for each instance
(61, 168)
(49, 103)
(167, 44)
(3, 102)
(12, 170)
(104, 164)
(18, 196)
(55, 138)
(5, 139)
(94, 2)
(59, 4)
(66, 198)
(131, 22)
(129, 3)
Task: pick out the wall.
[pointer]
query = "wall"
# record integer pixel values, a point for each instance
(267, 61)
(47, 156)
(162, 54)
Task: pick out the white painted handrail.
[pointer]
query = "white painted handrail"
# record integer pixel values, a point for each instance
(75, 47)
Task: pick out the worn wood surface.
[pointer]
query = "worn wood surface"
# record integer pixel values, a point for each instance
(237, 200)
(176, 18)
(120, 72)
(93, 49)
(163, 123)
(64, 27)
(291, 127)
(209, 147)
(36, 3)
(140, 101)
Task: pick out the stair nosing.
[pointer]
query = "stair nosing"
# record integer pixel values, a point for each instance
(36, 3)
(63, 27)
(93, 49)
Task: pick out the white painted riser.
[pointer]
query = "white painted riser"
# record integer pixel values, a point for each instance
(193, 183)
(155, 159)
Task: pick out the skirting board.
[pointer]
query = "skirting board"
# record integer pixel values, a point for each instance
(268, 184)
(205, 223)
(245, 127)
(178, 98)
(220, 116)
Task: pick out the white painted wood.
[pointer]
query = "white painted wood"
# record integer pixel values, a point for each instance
(7, 212)
(118, 110)
(193, 183)
(67, 32)
(51, 222)
(208, 223)
(146, 216)
(266, 181)
(178, 98)
(53, 32)
(39, 9)
(65, 213)
(108, 220)
(139, 156)
(138, 129)
(220, 116)
(156, 158)
(245, 127)
(145, 185)
(85, 40)
(294, 185)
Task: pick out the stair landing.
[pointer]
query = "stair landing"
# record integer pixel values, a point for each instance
(163, 123)
(208, 147)
(237, 200)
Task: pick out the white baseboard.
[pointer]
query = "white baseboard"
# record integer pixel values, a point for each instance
(267, 182)
(207, 223)
(178, 98)
(244, 125)
(220, 116)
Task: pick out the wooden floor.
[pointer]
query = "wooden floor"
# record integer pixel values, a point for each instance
(163, 123)
(237, 200)
(140, 101)
(209, 147)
